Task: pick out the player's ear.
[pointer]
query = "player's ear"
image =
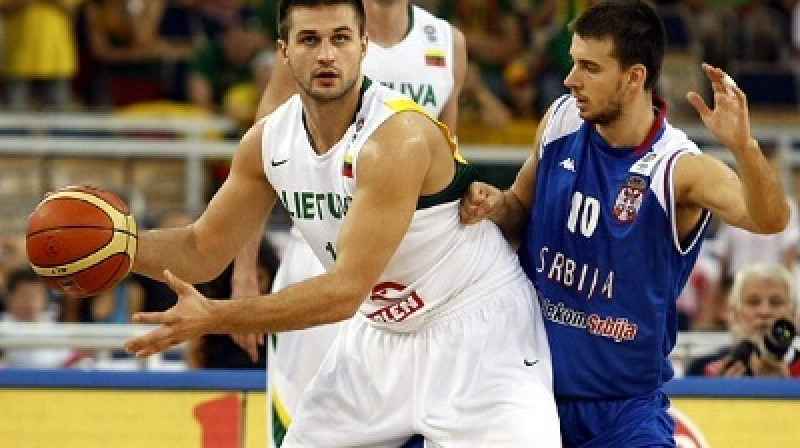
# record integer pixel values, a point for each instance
(637, 73)
(364, 45)
(283, 49)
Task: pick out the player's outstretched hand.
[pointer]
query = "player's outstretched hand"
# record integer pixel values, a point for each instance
(479, 202)
(190, 318)
(729, 120)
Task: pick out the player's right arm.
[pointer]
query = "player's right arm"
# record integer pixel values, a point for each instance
(201, 250)
(508, 209)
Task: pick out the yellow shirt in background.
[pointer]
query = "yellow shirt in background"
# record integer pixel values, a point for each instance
(39, 41)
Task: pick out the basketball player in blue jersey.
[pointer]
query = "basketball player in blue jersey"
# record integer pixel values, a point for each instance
(443, 335)
(610, 211)
(410, 51)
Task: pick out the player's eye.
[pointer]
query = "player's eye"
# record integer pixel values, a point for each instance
(308, 40)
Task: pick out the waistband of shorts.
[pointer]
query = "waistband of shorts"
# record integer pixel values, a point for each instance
(468, 299)
(570, 399)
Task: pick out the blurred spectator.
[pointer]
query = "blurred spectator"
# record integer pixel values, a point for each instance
(220, 351)
(241, 100)
(550, 42)
(519, 85)
(39, 51)
(27, 301)
(226, 62)
(492, 34)
(478, 106)
(157, 295)
(700, 306)
(765, 31)
(795, 32)
(716, 26)
(12, 254)
(116, 305)
(215, 14)
(268, 13)
(123, 40)
(762, 293)
(180, 32)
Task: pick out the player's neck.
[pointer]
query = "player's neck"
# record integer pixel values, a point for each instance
(387, 21)
(633, 125)
(327, 121)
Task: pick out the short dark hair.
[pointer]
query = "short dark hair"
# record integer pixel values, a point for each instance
(21, 275)
(636, 31)
(286, 5)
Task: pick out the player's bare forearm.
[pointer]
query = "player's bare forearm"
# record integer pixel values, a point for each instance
(511, 218)
(763, 190)
(316, 301)
(319, 300)
(175, 249)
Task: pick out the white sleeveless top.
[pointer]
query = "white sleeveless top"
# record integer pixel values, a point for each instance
(439, 265)
(425, 72)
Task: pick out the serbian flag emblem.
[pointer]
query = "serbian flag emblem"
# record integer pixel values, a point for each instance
(434, 58)
(347, 168)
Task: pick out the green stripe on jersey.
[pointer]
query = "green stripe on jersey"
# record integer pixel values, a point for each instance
(464, 176)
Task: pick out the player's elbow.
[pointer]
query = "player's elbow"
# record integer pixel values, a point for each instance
(348, 302)
(780, 223)
(209, 261)
(347, 298)
(775, 222)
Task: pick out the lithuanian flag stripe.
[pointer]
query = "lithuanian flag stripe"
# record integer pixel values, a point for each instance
(434, 58)
(347, 168)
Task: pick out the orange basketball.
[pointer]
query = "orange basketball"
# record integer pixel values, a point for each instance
(81, 240)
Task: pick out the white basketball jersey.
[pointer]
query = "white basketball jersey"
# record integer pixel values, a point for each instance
(439, 264)
(420, 65)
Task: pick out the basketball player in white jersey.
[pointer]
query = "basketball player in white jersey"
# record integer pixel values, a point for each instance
(410, 51)
(447, 338)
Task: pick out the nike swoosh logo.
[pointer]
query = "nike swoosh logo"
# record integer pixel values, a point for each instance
(278, 162)
(530, 363)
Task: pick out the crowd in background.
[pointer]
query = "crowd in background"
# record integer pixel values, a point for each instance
(215, 57)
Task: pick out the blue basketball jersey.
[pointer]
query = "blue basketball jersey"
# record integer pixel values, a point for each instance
(602, 248)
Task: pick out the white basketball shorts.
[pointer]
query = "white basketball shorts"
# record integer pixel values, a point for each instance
(479, 376)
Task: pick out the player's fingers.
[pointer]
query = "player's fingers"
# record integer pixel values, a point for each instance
(248, 343)
(698, 103)
(176, 284)
(717, 77)
(153, 342)
(252, 350)
(154, 317)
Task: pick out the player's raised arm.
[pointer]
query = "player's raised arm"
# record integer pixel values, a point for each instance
(201, 251)
(754, 199)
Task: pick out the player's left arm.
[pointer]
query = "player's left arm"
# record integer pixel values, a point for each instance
(449, 114)
(754, 199)
(392, 171)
